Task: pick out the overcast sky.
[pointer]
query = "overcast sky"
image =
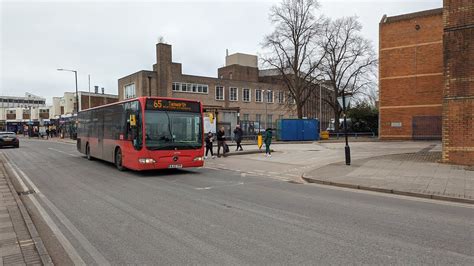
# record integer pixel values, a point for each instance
(111, 39)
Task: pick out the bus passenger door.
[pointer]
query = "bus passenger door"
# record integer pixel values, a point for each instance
(100, 135)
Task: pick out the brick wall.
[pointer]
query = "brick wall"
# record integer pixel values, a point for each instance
(237, 72)
(95, 101)
(458, 104)
(410, 71)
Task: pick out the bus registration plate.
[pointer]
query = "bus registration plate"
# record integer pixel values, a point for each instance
(175, 166)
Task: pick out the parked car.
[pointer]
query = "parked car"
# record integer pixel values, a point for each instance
(9, 139)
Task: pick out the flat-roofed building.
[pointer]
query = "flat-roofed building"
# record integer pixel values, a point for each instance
(411, 75)
(239, 94)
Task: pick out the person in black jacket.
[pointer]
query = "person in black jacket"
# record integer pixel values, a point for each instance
(221, 141)
(209, 143)
(238, 133)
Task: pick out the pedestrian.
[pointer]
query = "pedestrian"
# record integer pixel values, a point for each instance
(268, 141)
(221, 142)
(238, 133)
(209, 143)
(47, 132)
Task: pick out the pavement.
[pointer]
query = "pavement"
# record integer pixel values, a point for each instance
(219, 215)
(19, 240)
(417, 174)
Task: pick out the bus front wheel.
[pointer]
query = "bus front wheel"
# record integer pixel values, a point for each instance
(118, 159)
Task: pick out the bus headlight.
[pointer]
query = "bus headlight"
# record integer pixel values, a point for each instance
(198, 158)
(146, 160)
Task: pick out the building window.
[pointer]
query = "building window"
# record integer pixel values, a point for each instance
(258, 96)
(190, 87)
(258, 118)
(245, 117)
(176, 86)
(246, 95)
(129, 91)
(269, 96)
(220, 93)
(269, 121)
(280, 97)
(234, 94)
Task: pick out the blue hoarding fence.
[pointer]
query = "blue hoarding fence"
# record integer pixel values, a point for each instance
(297, 129)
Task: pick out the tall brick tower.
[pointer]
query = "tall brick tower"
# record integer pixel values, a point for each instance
(458, 103)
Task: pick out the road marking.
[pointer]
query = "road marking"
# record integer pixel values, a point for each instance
(239, 184)
(202, 188)
(63, 152)
(93, 252)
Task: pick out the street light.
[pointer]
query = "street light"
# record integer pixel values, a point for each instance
(320, 109)
(344, 101)
(265, 100)
(77, 96)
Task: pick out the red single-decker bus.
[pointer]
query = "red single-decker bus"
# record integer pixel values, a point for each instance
(143, 133)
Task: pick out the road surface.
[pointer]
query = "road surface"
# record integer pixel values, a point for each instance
(203, 216)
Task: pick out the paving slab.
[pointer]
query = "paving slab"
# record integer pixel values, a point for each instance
(16, 244)
(417, 172)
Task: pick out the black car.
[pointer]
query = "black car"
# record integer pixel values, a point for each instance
(9, 139)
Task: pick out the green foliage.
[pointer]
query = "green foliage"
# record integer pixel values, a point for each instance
(364, 118)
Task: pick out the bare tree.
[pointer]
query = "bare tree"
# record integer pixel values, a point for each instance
(293, 48)
(349, 61)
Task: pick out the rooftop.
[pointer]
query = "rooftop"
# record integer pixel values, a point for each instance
(424, 13)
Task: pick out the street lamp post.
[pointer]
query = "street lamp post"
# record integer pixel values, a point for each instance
(77, 96)
(320, 110)
(347, 148)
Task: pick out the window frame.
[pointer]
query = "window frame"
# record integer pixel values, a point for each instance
(281, 97)
(249, 95)
(267, 93)
(125, 88)
(258, 91)
(236, 90)
(184, 87)
(223, 93)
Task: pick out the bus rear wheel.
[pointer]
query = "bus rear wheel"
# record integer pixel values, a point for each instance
(118, 159)
(88, 152)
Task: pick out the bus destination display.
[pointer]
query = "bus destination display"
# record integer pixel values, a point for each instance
(172, 105)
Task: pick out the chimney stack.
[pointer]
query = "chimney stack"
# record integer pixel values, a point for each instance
(96, 89)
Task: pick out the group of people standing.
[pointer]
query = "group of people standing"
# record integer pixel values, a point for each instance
(238, 135)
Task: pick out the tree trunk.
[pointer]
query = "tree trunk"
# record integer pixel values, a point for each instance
(299, 110)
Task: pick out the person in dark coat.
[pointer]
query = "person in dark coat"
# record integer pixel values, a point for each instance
(268, 141)
(209, 144)
(238, 133)
(221, 141)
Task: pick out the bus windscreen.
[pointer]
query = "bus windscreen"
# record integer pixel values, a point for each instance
(166, 130)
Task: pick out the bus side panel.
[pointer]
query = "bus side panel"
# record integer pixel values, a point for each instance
(108, 149)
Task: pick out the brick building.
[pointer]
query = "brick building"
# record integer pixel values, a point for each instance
(411, 75)
(16, 112)
(66, 105)
(458, 102)
(241, 93)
